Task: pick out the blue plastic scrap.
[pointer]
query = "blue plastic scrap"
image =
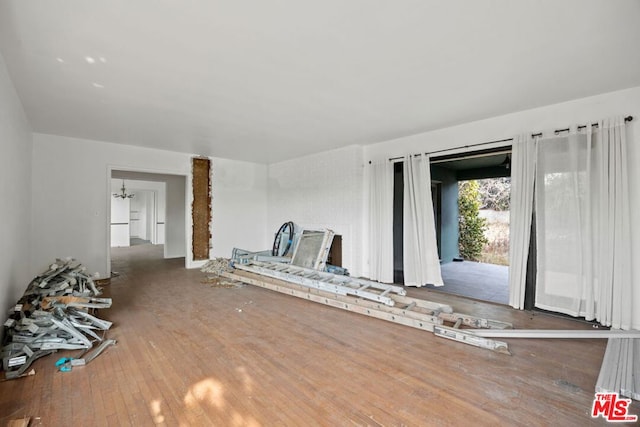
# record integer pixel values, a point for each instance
(64, 364)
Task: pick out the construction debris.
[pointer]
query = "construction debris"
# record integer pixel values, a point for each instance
(312, 249)
(216, 266)
(53, 314)
(341, 285)
(22, 422)
(284, 240)
(219, 282)
(297, 246)
(307, 275)
(243, 256)
(620, 372)
(373, 299)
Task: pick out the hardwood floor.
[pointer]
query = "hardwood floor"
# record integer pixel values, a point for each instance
(192, 353)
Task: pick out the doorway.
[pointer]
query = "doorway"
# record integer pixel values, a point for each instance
(138, 213)
(481, 274)
(144, 215)
(477, 218)
(149, 221)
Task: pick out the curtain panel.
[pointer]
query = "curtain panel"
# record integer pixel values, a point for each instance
(583, 224)
(523, 169)
(380, 230)
(421, 263)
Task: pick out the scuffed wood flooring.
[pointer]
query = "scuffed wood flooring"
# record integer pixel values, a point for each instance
(191, 353)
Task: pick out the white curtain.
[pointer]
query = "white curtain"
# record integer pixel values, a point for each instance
(381, 221)
(421, 263)
(582, 224)
(523, 169)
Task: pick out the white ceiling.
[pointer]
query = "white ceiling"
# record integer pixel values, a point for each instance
(264, 80)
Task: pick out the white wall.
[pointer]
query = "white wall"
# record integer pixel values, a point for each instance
(15, 195)
(626, 102)
(176, 236)
(154, 193)
(555, 116)
(71, 191)
(138, 215)
(239, 207)
(120, 232)
(323, 190)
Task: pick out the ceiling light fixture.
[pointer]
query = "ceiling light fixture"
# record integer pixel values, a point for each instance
(123, 194)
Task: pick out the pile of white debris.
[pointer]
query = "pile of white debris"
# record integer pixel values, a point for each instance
(216, 266)
(55, 313)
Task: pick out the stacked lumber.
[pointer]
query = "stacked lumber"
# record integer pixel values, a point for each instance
(620, 372)
(55, 313)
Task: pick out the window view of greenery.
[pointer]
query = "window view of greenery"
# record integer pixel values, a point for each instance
(484, 220)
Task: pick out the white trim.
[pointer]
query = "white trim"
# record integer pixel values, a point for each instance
(555, 333)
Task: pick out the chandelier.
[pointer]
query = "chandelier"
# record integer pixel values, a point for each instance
(123, 194)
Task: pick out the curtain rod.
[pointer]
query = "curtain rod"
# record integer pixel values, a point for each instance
(626, 119)
(533, 135)
(444, 159)
(456, 148)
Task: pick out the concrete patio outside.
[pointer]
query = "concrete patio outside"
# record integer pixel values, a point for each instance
(486, 282)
